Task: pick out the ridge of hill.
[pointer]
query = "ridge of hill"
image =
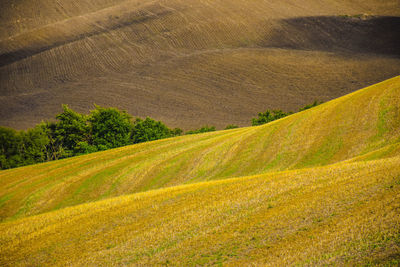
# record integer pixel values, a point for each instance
(189, 63)
(364, 125)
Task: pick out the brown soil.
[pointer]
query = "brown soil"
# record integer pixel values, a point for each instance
(190, 63)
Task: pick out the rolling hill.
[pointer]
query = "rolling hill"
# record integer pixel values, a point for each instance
(190, 63)
(356, 125)
(318, 187)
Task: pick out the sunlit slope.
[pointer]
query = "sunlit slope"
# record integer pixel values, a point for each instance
(190, 62)
(23, 16)
(344, 214)
(364, 124)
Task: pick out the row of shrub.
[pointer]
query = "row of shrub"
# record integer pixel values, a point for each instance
(104, 128)
(271, 115)
(75, 134)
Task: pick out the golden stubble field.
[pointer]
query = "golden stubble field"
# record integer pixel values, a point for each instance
(320, 187)
(347, 213)
(359, 126)
(191, 62)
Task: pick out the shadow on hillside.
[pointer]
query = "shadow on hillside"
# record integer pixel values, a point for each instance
(358, 34)
(55, 40)
(379, 35)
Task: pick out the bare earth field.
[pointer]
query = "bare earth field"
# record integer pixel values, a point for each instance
(190, 63)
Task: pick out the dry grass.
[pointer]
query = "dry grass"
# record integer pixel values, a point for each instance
(361, 126)
(346, 214)
(189, 62)
(319, 187)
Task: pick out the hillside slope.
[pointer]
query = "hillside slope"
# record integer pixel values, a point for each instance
(364, 125)
(190, 62)
(343, 214)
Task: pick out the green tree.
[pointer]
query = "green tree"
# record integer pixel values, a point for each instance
(176, 132)
(268, 116)
(54, 148)
(149, 130)
(231, 126)
(203, 129)
(72, 128)
(110, 128)
(314, 104)
(33, 145)
(10, 141)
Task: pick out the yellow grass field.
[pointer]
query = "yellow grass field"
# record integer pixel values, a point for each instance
(341, 214)
(320, 187)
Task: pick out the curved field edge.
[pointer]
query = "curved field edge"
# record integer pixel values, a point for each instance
(365, 124)
(345, 213)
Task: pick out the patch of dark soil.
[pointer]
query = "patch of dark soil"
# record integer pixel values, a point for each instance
(377, 35)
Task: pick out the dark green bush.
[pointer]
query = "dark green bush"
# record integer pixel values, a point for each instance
(149, 130)
(203, 129)
(268, 116)
(314, 104)
(72, 128)
(110, 128)
(231, 126)
(10, 142)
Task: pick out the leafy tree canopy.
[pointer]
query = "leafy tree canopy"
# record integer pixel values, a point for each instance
(268, 116)
(110, 127)
(231, 126)
(149, 130)
(314, 104)
(71, 129)
(203, 129)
